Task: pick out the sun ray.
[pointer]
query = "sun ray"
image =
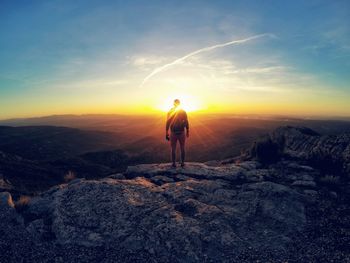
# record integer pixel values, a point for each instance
(188, 102)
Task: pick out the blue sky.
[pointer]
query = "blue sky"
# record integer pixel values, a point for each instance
(91, 56)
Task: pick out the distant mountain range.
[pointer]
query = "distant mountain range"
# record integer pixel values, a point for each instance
(36, 157)
(50, 142)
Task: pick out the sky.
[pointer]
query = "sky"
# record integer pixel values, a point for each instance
(135, 57)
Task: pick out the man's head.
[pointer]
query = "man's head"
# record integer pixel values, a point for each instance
(176, 102)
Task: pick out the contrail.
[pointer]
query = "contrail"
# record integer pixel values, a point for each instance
(234, 42)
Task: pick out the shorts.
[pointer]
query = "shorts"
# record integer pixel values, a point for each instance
(174, 137)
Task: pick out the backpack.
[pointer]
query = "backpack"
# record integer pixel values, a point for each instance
(178, 122)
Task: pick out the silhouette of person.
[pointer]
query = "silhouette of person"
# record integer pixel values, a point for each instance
(177, 121)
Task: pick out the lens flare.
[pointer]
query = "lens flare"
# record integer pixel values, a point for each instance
(187, 102)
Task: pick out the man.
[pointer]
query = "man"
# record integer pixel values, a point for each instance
(177, 122)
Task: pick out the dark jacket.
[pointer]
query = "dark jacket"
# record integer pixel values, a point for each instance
(177, 120)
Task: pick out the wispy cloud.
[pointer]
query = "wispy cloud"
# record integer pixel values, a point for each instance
(145, 61)
(235, 75)
(196, 52)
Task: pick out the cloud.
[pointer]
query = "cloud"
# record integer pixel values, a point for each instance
(264, 75)
(206, 49)
(143, 61)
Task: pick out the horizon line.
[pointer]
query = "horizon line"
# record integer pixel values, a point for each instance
(297, 116)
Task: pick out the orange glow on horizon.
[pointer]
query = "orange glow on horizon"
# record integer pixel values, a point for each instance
(158, 103)
(187, 102)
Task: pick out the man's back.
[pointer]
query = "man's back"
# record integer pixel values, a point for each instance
(177, 120)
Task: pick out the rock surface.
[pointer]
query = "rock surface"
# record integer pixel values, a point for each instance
(186, 214)
(233, 212)
(220, 211)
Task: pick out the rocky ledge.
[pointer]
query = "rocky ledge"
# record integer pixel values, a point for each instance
(186, 214)
(245, 211)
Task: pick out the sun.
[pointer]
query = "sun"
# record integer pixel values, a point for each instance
(188, 103)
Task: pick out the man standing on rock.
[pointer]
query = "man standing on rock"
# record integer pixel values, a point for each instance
(177, 122)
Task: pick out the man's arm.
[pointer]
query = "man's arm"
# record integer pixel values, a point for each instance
(167, 126)
(187, 125)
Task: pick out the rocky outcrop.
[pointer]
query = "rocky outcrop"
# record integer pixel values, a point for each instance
(240, 211)
(186, 214)
(329, 153)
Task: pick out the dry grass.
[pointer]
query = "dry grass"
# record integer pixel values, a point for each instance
(69, 176)
(22, 203)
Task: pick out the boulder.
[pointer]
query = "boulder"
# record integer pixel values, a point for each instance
(206, 215)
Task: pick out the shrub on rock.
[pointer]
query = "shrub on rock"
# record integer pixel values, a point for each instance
(265, 151)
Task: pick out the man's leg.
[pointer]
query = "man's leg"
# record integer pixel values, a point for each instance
(182, 139)
(173, 141)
